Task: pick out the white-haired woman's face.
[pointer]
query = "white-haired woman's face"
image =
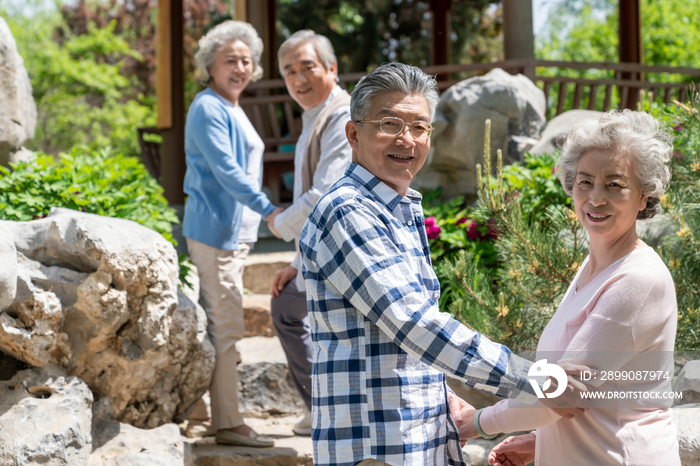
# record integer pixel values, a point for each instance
(231, 70)
(606, 194)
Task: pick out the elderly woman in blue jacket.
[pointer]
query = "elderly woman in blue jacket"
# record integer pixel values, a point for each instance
(224, 206)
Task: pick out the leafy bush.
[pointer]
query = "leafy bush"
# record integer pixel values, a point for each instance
(536, 182)
(98, 182)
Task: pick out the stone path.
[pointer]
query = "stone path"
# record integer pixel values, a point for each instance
(268, 394)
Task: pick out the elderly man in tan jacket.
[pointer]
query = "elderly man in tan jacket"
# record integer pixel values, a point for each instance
(310, 70)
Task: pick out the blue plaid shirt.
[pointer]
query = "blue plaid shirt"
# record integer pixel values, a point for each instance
(380, 344)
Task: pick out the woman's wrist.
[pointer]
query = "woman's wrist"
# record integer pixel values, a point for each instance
(479, 429)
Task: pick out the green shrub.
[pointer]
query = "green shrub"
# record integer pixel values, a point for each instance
(97, 182)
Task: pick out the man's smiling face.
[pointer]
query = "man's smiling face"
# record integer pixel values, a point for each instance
(393, 159)
(308, 82)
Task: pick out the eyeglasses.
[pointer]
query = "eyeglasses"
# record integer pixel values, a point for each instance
(393, 126)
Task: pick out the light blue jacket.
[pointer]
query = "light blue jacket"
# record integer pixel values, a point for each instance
(216, 152)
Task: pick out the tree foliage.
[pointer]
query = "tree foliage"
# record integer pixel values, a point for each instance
(82, 95)
(367, 33)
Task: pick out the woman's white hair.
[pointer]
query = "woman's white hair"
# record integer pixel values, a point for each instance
(636, 134)
(221, 36)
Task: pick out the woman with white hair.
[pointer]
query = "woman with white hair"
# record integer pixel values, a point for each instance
(618, 316)
(224, 206)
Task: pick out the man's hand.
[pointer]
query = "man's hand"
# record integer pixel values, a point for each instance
(281, 279)
(570, 403)
(463, 413)
(270, 219)
(514, 451)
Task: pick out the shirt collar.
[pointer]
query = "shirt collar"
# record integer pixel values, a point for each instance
(380, 190)
(311, 113)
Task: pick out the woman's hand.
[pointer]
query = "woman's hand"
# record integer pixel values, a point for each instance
(281, 279)
(270, 219)
(514, 451)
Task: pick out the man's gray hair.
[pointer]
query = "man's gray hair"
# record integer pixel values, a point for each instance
(321, 44)
(393, 77)
(636, 134)
(221, 36)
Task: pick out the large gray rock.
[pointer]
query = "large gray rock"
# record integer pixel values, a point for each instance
(45, 418)
(98, 296)
(265, 383)
(687, 418)
(559, 127)
(131, 446)
(516, 108)
(8, 268)
(17, 106)
(688, 383)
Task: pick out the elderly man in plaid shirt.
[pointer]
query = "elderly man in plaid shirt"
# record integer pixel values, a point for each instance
(380, 344)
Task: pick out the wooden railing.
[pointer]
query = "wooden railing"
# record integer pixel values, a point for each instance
(275, 115)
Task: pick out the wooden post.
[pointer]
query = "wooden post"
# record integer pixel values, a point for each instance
(630, 48)
(170, 94)
(518, 38)
(440, 44)
(262, 14)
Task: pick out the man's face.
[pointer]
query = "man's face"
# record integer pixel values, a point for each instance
(308, 82)
(393, 159)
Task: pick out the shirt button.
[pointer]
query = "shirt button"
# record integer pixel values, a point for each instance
(409, 223)
(436, 295)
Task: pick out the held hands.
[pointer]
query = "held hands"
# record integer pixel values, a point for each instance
(281, 279)
(463, 413)
(514, 451)
(270, 219)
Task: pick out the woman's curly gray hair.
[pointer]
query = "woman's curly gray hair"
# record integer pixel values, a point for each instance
(218, 38)
(627, 132)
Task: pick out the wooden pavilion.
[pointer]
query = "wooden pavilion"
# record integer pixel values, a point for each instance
(270, 93)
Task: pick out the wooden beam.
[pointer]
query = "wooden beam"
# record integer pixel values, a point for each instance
(440, 46)
(171, 98)
(164, 89)
(240, 10)
(630, 48)
(262, 15)
(518, 38)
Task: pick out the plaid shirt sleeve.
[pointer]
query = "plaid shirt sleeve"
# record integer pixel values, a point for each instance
(359, 254)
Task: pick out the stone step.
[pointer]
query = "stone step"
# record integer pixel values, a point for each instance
(260, 270)
(265, 384)
(289, 449)
(256, 314)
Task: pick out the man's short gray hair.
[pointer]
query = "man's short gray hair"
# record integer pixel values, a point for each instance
(321, 44)
(393, 77)
(221, 36)
(636, 134)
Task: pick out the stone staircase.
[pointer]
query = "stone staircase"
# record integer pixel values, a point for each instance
(269, 398)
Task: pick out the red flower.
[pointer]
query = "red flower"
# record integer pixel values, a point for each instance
(472, 233)
(461, 221)
(431, 228)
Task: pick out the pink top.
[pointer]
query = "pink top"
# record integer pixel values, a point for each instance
(630, 307)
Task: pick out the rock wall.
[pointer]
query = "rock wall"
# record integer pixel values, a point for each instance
(17, 106)
(98, 297)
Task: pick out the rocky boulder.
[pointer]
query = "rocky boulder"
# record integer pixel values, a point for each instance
(688, 383)
(559, 127)
(687, 418)
(516, 108)
(98, 297)
(45, 418)
(17, 106)
(8, 271)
